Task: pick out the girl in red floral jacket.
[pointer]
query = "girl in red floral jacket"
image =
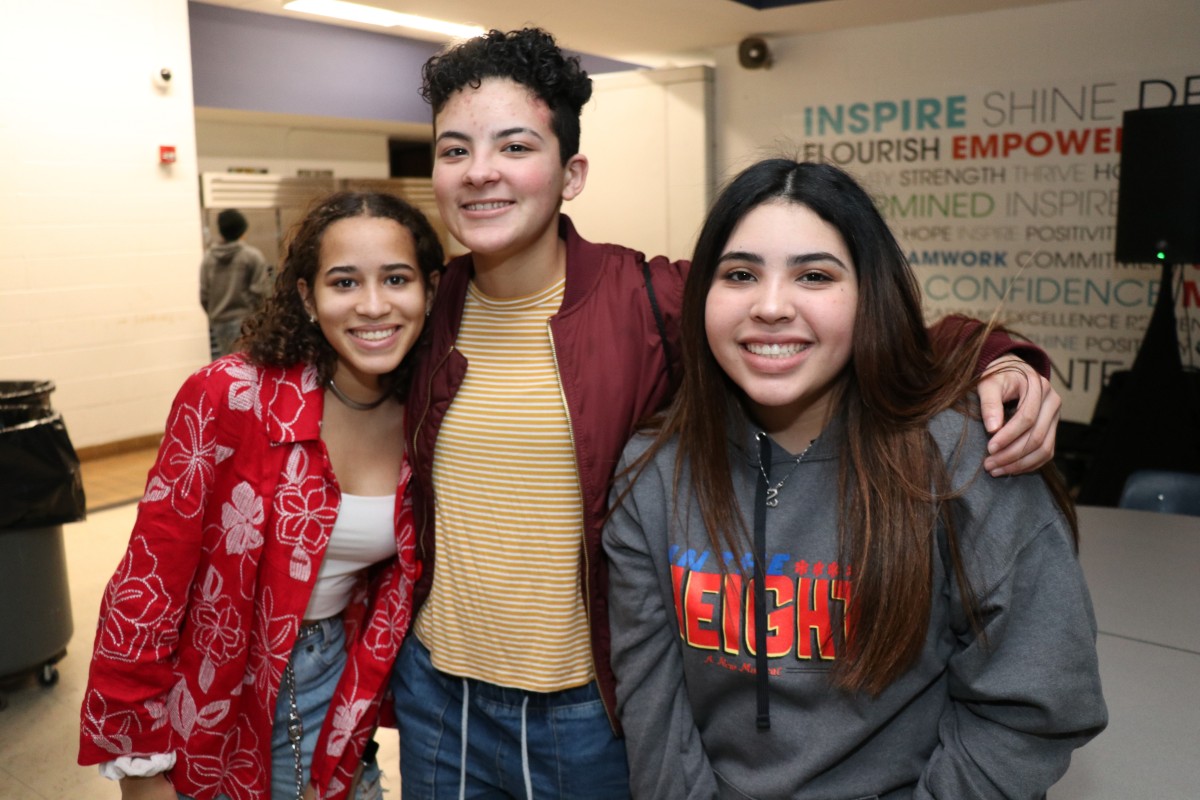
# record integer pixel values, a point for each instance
(245, 641)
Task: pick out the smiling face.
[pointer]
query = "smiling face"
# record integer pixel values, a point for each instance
(368, 297)
(779, 317)
(497, 171)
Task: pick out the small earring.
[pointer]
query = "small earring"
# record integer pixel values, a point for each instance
(312, 318)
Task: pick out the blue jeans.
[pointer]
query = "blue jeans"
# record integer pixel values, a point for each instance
(318, 659)
(555, 745)
(221, 337)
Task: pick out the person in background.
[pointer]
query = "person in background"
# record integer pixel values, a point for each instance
(246, 640)
(234, 280)
(814, 591)
(546, 350)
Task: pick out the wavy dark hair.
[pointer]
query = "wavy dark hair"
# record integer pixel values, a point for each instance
(528, 56)
(893, 481)
(280, 334)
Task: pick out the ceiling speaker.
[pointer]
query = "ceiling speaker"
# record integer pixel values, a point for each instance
(753, 53)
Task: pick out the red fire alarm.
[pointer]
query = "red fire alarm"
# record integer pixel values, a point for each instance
(166, 154)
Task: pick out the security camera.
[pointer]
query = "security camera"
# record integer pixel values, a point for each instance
(162, 78)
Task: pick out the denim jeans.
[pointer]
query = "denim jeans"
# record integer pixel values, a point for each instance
(519, 744)
(221, 336)
(317, 660)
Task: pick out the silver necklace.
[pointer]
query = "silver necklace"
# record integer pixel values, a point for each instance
(351, 402)
(773, 491)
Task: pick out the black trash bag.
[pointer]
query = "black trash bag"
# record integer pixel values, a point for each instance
(26, 393)
(40, 480)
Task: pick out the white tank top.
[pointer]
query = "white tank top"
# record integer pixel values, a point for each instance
(364, 534)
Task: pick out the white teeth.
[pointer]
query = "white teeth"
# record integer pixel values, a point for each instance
(374, 336)
(776, 350)
(485, 206)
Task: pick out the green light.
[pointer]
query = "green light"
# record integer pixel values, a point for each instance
(1161, 255)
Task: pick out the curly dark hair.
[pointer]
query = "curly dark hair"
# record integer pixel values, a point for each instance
(280, 333)
(528, 56)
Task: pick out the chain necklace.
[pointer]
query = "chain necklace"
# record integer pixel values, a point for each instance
(773, 491)
(351, 402)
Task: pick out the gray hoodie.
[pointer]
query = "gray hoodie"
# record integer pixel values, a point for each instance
(234, 279)
(963, 722)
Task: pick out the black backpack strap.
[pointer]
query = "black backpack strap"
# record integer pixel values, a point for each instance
(658, 320)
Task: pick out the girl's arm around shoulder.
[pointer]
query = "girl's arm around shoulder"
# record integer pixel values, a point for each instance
(1011, 370)
(950, 331)
(666, 757)
(667, 279)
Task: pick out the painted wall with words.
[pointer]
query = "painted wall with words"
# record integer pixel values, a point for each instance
(999, 179)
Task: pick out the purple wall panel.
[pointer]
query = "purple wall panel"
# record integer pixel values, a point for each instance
(263, 62)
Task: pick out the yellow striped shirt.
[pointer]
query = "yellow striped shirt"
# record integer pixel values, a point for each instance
(505, 607)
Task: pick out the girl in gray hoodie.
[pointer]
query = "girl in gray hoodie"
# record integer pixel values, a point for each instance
(815, 592)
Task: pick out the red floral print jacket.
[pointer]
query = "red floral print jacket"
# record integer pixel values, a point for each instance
(198, 622)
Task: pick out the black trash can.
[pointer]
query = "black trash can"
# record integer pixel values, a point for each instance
(41, 489)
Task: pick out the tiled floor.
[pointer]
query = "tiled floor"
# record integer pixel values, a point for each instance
(117, 479)
(39, 730)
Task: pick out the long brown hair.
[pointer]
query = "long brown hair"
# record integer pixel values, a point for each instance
(893, 480)
(280, 334)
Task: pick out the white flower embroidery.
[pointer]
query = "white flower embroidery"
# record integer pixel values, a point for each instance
(183, 714)
(186, 460)
(287, 396)
(233, 771)
(109, 732)
(218, 633)
(156, 489)
(242, 520)
(304, 516)
(243, 389)
(386, 627)
(158, 713)
(345, 720)
(268, 650)
(135, 612)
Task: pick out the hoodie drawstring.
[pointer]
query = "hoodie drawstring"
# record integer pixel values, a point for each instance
(462, 756)
(525, 750)
(763, 719)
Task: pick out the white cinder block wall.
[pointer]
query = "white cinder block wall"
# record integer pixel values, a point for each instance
(99, 244)
(648, 136)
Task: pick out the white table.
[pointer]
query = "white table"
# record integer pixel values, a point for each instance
(1143, 570)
